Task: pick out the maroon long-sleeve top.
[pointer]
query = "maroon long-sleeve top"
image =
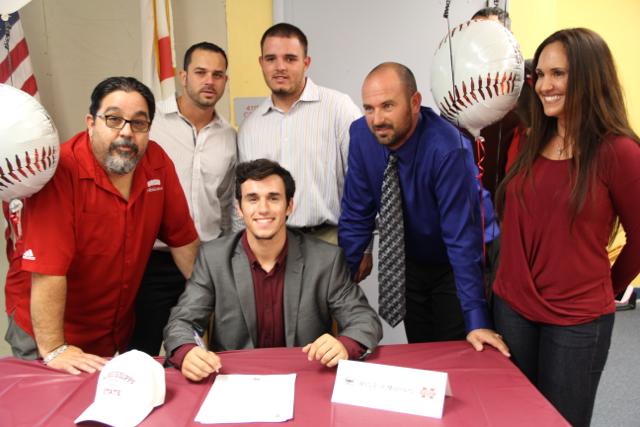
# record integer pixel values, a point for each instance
(554, 272)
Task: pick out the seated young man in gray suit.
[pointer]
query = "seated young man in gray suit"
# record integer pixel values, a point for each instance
(269, 286)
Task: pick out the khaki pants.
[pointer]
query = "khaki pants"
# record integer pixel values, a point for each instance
(328, 234)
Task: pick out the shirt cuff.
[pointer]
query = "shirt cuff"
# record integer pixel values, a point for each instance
(369, 249)
(354, 348)
(179, 354)
(477, 319)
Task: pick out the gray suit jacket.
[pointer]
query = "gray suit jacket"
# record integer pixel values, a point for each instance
(317, 285)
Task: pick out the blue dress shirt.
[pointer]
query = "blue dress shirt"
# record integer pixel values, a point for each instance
(440, 203)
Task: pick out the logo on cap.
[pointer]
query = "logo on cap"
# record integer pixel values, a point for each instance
(129, 387)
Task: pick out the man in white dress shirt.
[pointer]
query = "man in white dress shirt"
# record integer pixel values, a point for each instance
(202, 145)
(305, 128)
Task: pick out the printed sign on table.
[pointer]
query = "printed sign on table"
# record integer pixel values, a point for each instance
(411, 391)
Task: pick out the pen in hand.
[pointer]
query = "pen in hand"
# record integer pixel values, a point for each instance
(200, 343)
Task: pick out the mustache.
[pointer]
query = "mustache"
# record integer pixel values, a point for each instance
(115, 145)
(380, 127)
(209, 89)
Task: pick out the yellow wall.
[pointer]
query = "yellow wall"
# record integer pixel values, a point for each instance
(247, 20)
(531, 22)
(616, 21)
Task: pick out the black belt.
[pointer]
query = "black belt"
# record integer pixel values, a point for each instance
(307, 230)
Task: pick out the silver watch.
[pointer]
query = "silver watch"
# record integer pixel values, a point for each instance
(55, 354)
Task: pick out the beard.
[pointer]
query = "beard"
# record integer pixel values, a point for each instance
(397, 133)
(201, 101)
(122, 162)
(296, 86)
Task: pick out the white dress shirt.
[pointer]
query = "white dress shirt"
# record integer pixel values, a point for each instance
(311, 141)
(205, 163)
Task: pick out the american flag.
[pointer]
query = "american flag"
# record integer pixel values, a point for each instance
(20, 73)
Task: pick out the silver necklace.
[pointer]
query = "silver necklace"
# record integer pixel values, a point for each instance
(560, 148)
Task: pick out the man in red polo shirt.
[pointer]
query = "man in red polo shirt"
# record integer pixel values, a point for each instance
(89, 232)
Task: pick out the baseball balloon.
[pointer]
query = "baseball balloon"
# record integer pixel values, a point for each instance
(29, 145)
(488, 70)
(9, 6)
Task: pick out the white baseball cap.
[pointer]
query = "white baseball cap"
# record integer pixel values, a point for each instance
(130, 386)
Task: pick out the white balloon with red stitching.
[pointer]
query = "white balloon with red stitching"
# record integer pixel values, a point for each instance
(488, 73)
(29, 145)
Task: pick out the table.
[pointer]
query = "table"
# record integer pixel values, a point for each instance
(488, 390)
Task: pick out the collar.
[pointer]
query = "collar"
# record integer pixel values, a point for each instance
(311, 93)
(88, 166)
(408, 149)
(252, 257)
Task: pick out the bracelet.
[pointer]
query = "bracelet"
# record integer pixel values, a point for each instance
(55, 354)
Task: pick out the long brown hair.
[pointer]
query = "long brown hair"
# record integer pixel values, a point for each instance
(594, 108)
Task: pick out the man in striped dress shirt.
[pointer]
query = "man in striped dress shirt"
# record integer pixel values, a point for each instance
(305, 128)
(202, 145)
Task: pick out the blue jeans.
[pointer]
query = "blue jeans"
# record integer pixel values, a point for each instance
(563, 362)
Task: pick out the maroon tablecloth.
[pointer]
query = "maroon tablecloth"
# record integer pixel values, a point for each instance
(488, 390)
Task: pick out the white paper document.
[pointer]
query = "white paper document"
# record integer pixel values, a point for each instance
(248, 399)
(412, 391)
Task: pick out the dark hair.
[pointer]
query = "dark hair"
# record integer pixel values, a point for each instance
(593, 108)
(204, 46)
(523, 105)
(257, 170)
(407, 79)
(125, 84)
(503, 15)
(287, 31)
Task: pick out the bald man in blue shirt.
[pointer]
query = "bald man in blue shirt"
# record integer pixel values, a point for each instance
(441, 209)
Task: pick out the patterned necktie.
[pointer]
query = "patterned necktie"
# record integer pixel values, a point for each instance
(391, 271)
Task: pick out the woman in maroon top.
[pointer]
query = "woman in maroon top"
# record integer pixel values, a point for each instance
(574, 181)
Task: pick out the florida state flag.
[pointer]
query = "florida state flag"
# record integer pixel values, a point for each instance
(158, 54)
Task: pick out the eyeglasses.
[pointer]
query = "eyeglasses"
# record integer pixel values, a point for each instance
(115, 122)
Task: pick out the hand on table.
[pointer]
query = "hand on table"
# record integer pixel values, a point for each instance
(200, 363)
(365, 268)
(478, 337)
(73, 360)
(327, 349)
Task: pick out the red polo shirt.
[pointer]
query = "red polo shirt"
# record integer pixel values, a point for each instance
(79, 226)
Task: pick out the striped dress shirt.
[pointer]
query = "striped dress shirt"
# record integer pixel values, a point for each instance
(311, 141)
(205, 163)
